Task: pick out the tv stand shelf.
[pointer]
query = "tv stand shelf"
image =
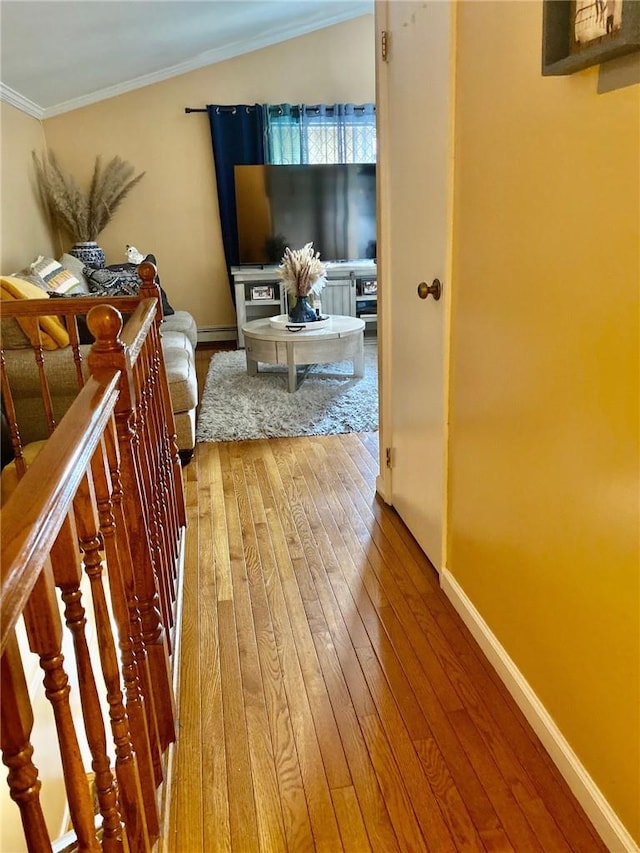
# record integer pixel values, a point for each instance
(349, 292)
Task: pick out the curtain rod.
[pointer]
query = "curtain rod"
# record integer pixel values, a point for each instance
(195, 109)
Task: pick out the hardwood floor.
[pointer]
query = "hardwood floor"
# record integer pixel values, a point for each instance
(330, 697)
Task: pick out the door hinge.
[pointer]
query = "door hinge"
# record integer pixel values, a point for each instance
(384, 45)
(388, 457)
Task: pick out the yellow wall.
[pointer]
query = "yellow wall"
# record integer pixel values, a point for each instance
(24, 233)
(173, 211)
(543, 460)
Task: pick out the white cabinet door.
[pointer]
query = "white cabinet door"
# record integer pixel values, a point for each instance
(339, 297)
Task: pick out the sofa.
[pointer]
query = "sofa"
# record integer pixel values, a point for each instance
(178, 336)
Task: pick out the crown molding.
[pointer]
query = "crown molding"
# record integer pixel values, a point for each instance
(20, 102)
(210, 57)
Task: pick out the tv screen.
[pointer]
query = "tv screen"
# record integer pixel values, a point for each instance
(333, 206)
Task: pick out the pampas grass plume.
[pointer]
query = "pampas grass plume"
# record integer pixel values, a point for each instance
(83, 215)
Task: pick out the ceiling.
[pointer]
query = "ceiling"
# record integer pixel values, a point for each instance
(58, 55)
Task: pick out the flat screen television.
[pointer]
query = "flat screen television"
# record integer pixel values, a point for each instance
(333, 206)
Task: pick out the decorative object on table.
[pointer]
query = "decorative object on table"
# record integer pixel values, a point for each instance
(262, 291)
(236, 406)
(82, 215)
(133, 256)
(283, 321)
(579, 33)
(304, 275)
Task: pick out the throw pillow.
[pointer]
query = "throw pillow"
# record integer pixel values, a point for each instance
(13, 336)
(54, 274)
(52, 332)
(75, 266)
(32, 278)
(105, 282)
(129, 272)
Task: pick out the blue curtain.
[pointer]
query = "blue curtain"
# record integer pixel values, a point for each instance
(237, 137)
(320, 133)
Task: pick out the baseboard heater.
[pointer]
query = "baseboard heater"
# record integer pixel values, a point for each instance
(216, 333)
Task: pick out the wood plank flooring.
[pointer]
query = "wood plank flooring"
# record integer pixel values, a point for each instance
(330, 697)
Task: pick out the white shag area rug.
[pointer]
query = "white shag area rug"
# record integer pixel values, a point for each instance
(236, 406)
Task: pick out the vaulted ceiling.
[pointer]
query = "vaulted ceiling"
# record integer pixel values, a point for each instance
(57, 55)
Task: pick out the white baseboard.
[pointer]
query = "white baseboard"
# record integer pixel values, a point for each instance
(206, 334)
(381, 490)
(607, 823)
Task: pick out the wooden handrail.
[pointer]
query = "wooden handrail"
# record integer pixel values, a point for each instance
(103, 494)
(30, 521)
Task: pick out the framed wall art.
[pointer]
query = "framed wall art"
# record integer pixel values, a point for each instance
(579, 33)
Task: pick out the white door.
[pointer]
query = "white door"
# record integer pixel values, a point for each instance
(415, 156)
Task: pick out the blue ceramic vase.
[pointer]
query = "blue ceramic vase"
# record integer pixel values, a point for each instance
(90, 254)
(302, 312)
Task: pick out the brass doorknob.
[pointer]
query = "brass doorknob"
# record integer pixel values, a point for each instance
(434, 289)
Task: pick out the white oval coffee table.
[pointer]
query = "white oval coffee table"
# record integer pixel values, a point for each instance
(342, 338)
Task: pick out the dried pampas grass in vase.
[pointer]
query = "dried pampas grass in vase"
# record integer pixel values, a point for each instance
(81, 215)
(302, 273)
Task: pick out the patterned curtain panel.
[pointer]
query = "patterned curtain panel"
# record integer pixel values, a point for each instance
(283, 134)
(320, 133)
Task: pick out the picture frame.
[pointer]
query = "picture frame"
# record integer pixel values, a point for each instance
(369, 288)
(577, 34)
(262, 292)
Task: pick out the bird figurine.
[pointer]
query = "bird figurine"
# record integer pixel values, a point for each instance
(133, 255)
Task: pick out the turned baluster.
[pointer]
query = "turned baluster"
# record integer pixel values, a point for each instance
(10, 412)
(67, 573)
(161, 508)
(16, 725)
(108, 353)
(148, 454)
(140, 445)
(147, 273)
(173, 477)
(136, 670)
(44, 632)
(171, 439)
(167, 499)
(135, 770)
(38, 352)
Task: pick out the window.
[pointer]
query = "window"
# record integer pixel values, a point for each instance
(338, 133)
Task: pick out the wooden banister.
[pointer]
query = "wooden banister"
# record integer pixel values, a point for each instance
(30, 521)
(99, 502)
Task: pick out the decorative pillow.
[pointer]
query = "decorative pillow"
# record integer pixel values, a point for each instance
(104, 282)
(13, 335)
(54, 274)
(32, 278)
(76, 267)
(129, 273)
(52, 332)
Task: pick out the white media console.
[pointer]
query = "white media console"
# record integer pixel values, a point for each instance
(351, 291)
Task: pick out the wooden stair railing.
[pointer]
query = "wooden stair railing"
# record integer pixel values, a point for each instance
(105, 492)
